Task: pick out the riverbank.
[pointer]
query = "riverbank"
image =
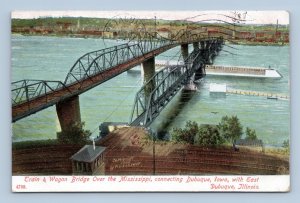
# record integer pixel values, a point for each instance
(130, 151)
(255, 43)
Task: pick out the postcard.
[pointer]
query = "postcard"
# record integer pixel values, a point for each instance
(144, 101)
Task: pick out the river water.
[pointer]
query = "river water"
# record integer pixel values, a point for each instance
(50, 58)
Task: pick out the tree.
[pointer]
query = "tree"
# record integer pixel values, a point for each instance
(231, 129)
(250, 134)
(286, 144)
(208, 135)
(74, 134)
(187, 134)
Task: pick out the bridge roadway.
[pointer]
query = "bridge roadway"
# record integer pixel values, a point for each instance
(25, 105)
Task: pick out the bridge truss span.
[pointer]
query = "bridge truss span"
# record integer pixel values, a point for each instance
(26, 90)
(168, 82)
(164, 80)
(100, 61)
(94, 68)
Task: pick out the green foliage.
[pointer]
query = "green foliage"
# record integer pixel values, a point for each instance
(286, 144)
(192, 133)
(208, 135)
(74, 134)
(230, 128)
(250, 134)
(187, 134)
(49, 21)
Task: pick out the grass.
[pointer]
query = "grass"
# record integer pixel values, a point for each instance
(35, 143)
(277, 151)
(38, 143)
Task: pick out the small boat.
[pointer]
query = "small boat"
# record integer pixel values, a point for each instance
(271, 97)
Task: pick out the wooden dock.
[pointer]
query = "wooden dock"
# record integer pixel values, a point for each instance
(257, 93)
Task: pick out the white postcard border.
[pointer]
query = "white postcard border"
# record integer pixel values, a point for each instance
(215, 183)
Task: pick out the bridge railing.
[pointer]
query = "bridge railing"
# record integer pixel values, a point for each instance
(27, 90)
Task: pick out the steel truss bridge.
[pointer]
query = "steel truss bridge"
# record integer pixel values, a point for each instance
(168, 82)
(94, 68)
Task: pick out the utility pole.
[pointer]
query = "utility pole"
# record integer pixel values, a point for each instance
(275, 37)
(155, 35)
(154, 139)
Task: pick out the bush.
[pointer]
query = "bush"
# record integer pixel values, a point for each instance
(186, 134)
(230, 129)
(250, 134)
(192, 133)
(74, 134)
(208, 135)
(286, 144)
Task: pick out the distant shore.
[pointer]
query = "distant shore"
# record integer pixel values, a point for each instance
(85, 36)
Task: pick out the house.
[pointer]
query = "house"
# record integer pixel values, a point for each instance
(245, 35)
(110, 34)
(89, 160)
(163, 32)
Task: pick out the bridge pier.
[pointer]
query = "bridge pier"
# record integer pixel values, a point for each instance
(185, 51)
(208, 48)
(68, 112)
(213, 51)
(196, 45)
(210, 59)
(202, 45)
(148, 67)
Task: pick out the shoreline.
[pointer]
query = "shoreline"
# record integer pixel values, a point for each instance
(84, 36)
(129, 151)
(268, 149)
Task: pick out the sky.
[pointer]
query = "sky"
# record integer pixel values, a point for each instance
(247, 17)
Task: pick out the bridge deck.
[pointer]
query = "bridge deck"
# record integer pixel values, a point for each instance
(24, 109)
